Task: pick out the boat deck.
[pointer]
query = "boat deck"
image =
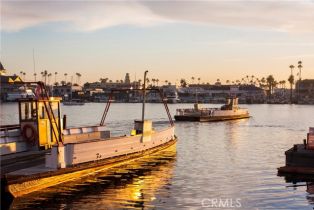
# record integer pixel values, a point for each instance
(208, 118)
(21, 160)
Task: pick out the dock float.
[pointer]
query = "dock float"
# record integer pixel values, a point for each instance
(300, 158)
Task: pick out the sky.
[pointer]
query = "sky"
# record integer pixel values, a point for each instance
(224, 40)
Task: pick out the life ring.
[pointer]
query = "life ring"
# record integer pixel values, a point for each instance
(29, 133)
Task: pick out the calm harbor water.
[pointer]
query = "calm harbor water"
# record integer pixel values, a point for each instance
(233, 160)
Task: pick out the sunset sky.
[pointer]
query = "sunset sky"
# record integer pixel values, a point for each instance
(172, 39)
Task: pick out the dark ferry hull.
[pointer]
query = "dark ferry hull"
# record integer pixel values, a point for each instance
(209, 118)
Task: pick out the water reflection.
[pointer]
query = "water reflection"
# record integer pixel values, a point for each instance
(302, 181)
(136, 185)
(310, 191)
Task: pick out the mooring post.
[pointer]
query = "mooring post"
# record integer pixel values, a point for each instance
(304, 143)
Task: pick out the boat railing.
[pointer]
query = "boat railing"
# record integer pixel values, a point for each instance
(9, 127)
(10, 133)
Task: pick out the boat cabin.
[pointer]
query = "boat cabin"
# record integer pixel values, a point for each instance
(40, 121)
(231, 104)
(39, 127)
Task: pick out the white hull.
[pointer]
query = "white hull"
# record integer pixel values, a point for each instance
(92, 150)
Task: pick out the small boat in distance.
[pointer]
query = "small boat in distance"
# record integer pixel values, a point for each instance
(229, 111)
(74, 102)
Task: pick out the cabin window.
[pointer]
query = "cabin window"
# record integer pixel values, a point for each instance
(28, 111)
(43, 112)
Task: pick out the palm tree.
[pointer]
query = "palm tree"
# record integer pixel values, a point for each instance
(35, 76)
(45, 74)
(192, 79)
(227, 81)
(102, 80)
(166, 82)
(78, 76)
(183, 82)
(291, 67)
(157, 80)
(49, 75)
(300, 67)
(65, 77)
(63, 82)
(271, 83)
(284, 84)
(199, 80)
(291, 81)
(56, 76)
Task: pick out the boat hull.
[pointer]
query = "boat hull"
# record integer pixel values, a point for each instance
(209, 118)
(18, 186)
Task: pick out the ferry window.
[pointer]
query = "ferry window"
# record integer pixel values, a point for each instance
(42, 111)
(34, 111)
(27, 111)
(22, 109)
(54, 106)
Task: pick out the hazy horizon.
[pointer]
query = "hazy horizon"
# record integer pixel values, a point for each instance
(224, 40)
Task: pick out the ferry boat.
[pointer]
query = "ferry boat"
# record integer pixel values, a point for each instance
(229, 111)
(73, 152)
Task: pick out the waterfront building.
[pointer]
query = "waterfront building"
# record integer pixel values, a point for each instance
(12, 87)
(218, 93)
(305, 91)
(68, 91)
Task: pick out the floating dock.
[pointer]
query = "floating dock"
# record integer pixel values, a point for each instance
(300, 158)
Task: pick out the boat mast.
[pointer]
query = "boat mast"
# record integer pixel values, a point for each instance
(144, 96)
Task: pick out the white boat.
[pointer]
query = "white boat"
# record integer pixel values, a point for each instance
(173, 98)
(75, 152)
(229, 111)
(20, 95)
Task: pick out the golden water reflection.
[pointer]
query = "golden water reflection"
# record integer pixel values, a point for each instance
(135, 185)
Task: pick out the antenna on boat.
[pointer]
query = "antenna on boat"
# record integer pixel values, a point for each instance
(144, 96)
